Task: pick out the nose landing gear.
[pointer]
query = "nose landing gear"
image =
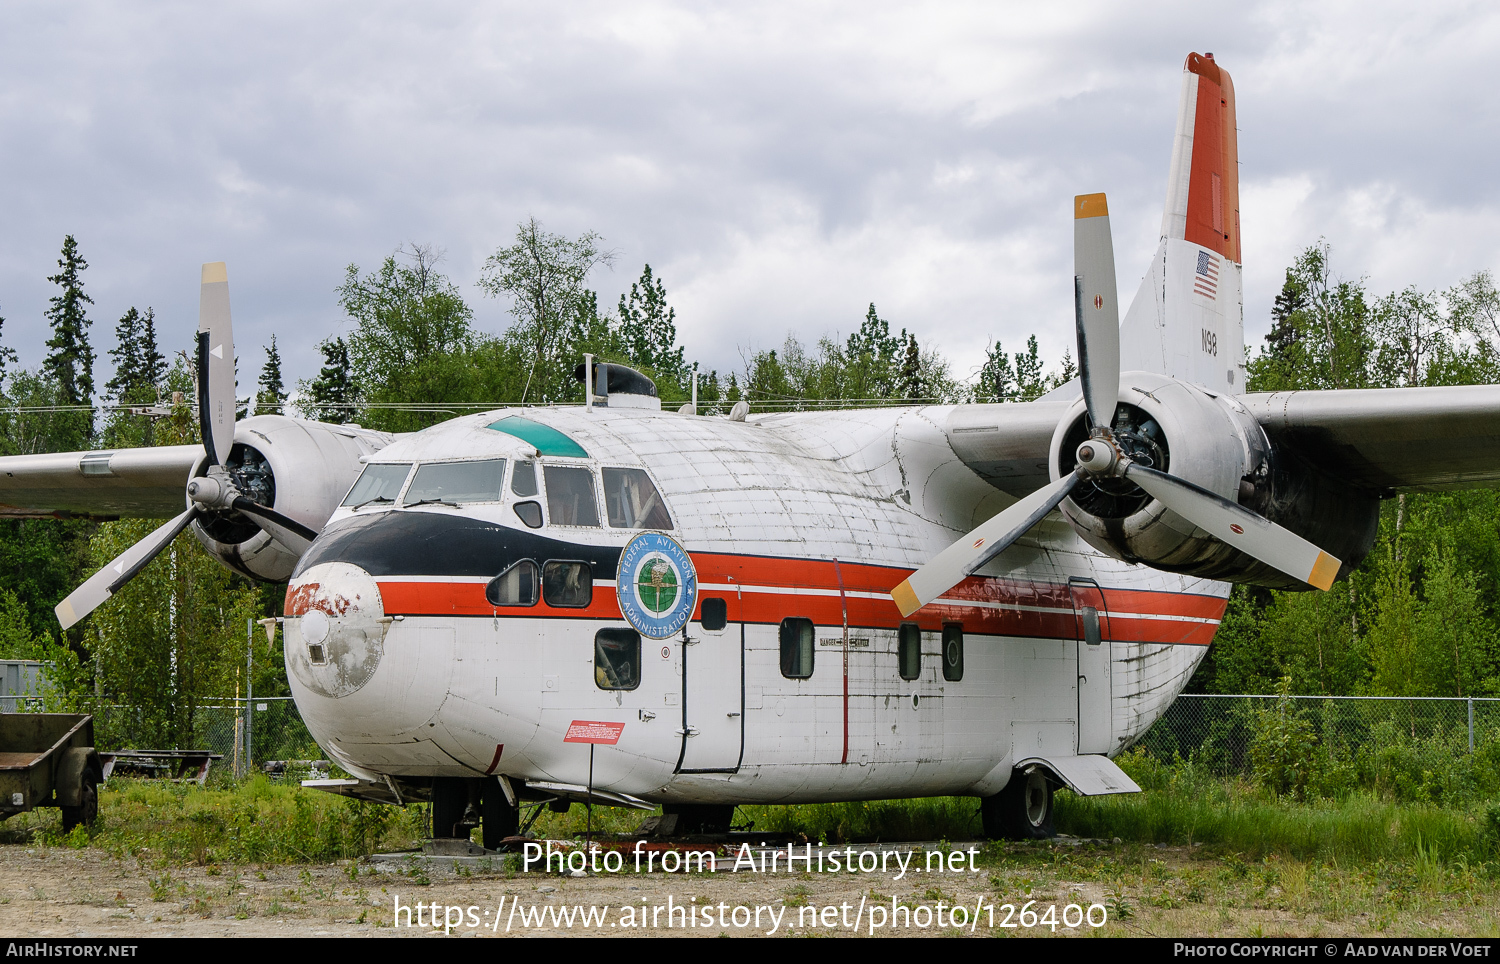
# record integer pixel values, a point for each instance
(459, 804)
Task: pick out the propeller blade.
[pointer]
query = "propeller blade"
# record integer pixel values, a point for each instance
(1237, 526)
(289, 532)
(107, 581)
(215, 364)
(1096, 308)
(991, 538)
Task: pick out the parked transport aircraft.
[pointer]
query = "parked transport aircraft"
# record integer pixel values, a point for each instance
(988, 600)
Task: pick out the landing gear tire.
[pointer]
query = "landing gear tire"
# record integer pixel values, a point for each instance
(498, 818)
(1022, 811)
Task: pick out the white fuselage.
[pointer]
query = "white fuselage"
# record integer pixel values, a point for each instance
(802, 516)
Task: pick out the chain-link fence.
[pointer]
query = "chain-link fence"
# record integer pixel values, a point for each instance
(1219, 731)
(246, 733)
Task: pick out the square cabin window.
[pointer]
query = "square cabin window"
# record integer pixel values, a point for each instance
(570, 496)
(909, 650)
(617, 659)
(714, 614)
(568, 585)
(953, 652)
(797, 648)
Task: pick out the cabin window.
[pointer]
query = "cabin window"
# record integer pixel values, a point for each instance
(632, 501)
(457, 482)
(523, 479)
(617, 659)
(909, 650)
(515, 586)
(378, 484)
(530, 513)
(797, 648)
(953, 652)
(570, 496)
(714, 615)
(567, 585)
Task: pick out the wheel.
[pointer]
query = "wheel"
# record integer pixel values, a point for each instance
(498, 819)
(87, 810)
(1022, 811)
(449, 797)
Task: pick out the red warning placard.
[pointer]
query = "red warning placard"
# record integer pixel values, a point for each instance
(592, 731)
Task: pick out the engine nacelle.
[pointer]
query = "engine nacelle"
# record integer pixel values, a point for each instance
(1211, 441)
(300, 469)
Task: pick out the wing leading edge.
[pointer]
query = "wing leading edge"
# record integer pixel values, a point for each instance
(1389, 439)
(142, 483)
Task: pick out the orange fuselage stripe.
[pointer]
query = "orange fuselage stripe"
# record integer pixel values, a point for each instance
(771, 589)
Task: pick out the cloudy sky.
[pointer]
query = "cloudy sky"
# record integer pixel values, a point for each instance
(780, 166)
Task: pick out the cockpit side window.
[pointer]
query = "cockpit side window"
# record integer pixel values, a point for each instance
(379, 484)
(633, 502)
(570, 496)
(523, 479)
(457, 482)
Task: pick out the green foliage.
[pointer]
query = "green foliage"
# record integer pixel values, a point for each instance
(412, 341)
(256, 821)
(1184, 805)
(1281, 752)
(543, 275)
(647, 331)
(140, 371)
(333, 395)
(270, 395)
(71, 358)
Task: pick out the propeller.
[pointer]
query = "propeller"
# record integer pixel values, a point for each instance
(1097, 315)
(213, 492)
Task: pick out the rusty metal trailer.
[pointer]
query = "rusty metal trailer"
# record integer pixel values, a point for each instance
(48, 760)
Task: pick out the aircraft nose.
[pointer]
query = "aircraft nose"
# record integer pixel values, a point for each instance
(335, 628)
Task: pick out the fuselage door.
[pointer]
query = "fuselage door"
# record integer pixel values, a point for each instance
(1095, 719)
(713, 690)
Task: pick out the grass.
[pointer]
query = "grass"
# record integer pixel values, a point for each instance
(270, 823)
(255, 821)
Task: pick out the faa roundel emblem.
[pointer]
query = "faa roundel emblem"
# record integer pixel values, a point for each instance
(657, 585)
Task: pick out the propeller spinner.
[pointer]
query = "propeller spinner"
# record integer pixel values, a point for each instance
(214, 492)
(1096, 311)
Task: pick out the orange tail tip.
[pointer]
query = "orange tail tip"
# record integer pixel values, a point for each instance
(1212, 206)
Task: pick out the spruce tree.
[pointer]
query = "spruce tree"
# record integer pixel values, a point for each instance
(71, 361)
(330, 395)
(270, 398)
(648, 329)
(7, 356)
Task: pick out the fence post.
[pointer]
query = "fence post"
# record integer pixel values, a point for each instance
(249, 689)
(1471, 724)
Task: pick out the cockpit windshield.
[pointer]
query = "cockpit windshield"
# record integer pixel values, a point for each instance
(379, 484)
(457, 482)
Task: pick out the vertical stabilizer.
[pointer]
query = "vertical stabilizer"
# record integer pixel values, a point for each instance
(1187, 319)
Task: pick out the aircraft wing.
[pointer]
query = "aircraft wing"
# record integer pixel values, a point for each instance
(141, 482)
(1416, 439)
(1006, 444)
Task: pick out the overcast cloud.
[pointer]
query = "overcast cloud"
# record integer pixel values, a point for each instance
(780, 166)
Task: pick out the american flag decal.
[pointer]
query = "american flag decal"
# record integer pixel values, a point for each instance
(1206, 280)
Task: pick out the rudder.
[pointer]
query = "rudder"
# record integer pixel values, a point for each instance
(1187, 319)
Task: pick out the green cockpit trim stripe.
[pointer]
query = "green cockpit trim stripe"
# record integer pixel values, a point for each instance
(548, 440)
